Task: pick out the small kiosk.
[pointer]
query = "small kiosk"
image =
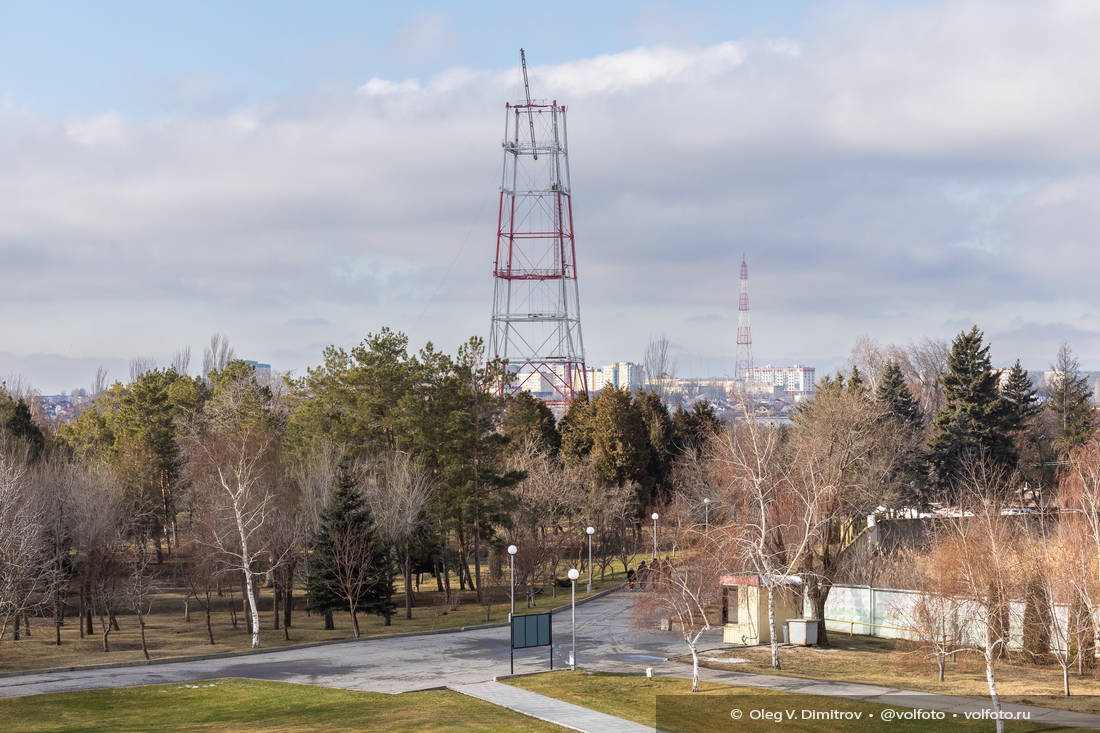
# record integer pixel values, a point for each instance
(745, 607)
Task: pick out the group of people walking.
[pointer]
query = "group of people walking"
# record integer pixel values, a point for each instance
(650, 574)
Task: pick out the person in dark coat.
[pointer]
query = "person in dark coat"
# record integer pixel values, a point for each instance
(643, 571)
(630, 575)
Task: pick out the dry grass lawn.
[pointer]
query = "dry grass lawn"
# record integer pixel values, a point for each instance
(170, 635)
(885, 662)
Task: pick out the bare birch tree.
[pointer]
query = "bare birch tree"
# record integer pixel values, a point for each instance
(233, 448)
(687, 595)
(771, 519)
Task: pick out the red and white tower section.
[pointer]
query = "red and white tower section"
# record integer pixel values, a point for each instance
(536, 322)
(743, 370)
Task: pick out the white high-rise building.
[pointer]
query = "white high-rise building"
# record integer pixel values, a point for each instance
(797, 380)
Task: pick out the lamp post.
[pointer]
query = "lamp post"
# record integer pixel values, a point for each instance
(591, 531)
(706, 516)
(512, 550)
(573, 575)
(655, 516)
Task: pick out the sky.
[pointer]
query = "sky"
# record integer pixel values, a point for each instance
(297, 178)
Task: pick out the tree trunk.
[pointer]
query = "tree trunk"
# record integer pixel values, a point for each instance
(329, 624)
(476, 581)
(941, 663)
(141, 623)
(694, 668)
(446, 579)
(58, 617)
(114, 621)
(819, 594)
(463, 564)
(408, 583)
(160, 552)
(771, 629)
(88, 616)
(275, 610)
(354, 620)
(992, 682)
(80, 613)
(288, 598)
(1065, 680)
(15, 630)
(253, 608)
(209, 626)
(187, 609)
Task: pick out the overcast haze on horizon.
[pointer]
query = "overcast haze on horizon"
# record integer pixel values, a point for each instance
(293, 180)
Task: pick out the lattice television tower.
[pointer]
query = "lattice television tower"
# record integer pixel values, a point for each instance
(743, 371)
(536, 322)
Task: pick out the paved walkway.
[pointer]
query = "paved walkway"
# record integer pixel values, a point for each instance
(605, 636)
(878, 694)
(550, 709)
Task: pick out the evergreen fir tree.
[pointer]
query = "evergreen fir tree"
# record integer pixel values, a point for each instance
(21, 425)
(359, 579)
(1071, 400)
(691, 429)
(894, 395)
(972, 419)
(855, 382)
(1019, 396)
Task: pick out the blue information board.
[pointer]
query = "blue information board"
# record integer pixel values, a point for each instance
(531, 630)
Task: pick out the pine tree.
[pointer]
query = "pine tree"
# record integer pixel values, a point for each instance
(527, 420)
(21, 425)
(893, 394)
(691, 429)
(972, 419)
(1070, 399)
(575, 428)
(855, 382)
(1019, 396)
(350, 567)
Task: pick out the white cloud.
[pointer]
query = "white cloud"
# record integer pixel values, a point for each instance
(884, 174)
(100, 132)
(424, 39)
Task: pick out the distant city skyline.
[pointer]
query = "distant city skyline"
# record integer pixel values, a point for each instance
(295, 180)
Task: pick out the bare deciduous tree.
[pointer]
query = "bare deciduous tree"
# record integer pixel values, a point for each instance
(398, 491)
(659, 365)
(686, 595)
(181, 360)
(233, 447)
(216, 355)
(771, 520)
(25, 570)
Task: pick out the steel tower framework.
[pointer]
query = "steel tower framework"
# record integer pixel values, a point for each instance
(743, 370)
(536, 323)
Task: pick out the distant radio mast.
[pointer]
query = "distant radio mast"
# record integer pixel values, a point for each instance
(743, 371)
(536, 322)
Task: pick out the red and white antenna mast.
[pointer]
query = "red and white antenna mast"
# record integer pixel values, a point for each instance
(743, 370)
(536, 322)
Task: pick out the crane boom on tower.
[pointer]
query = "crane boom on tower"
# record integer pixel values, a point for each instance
(530, 114)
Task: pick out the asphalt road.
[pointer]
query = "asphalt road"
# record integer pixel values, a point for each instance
(607, 639)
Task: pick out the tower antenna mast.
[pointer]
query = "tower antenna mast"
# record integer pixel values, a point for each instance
(536, 324)
(530, 114)
(743, 369)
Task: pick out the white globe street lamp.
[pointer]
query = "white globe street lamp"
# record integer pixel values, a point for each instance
(512, 550)
(573, 575)
(655, 517)
(591, 531)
